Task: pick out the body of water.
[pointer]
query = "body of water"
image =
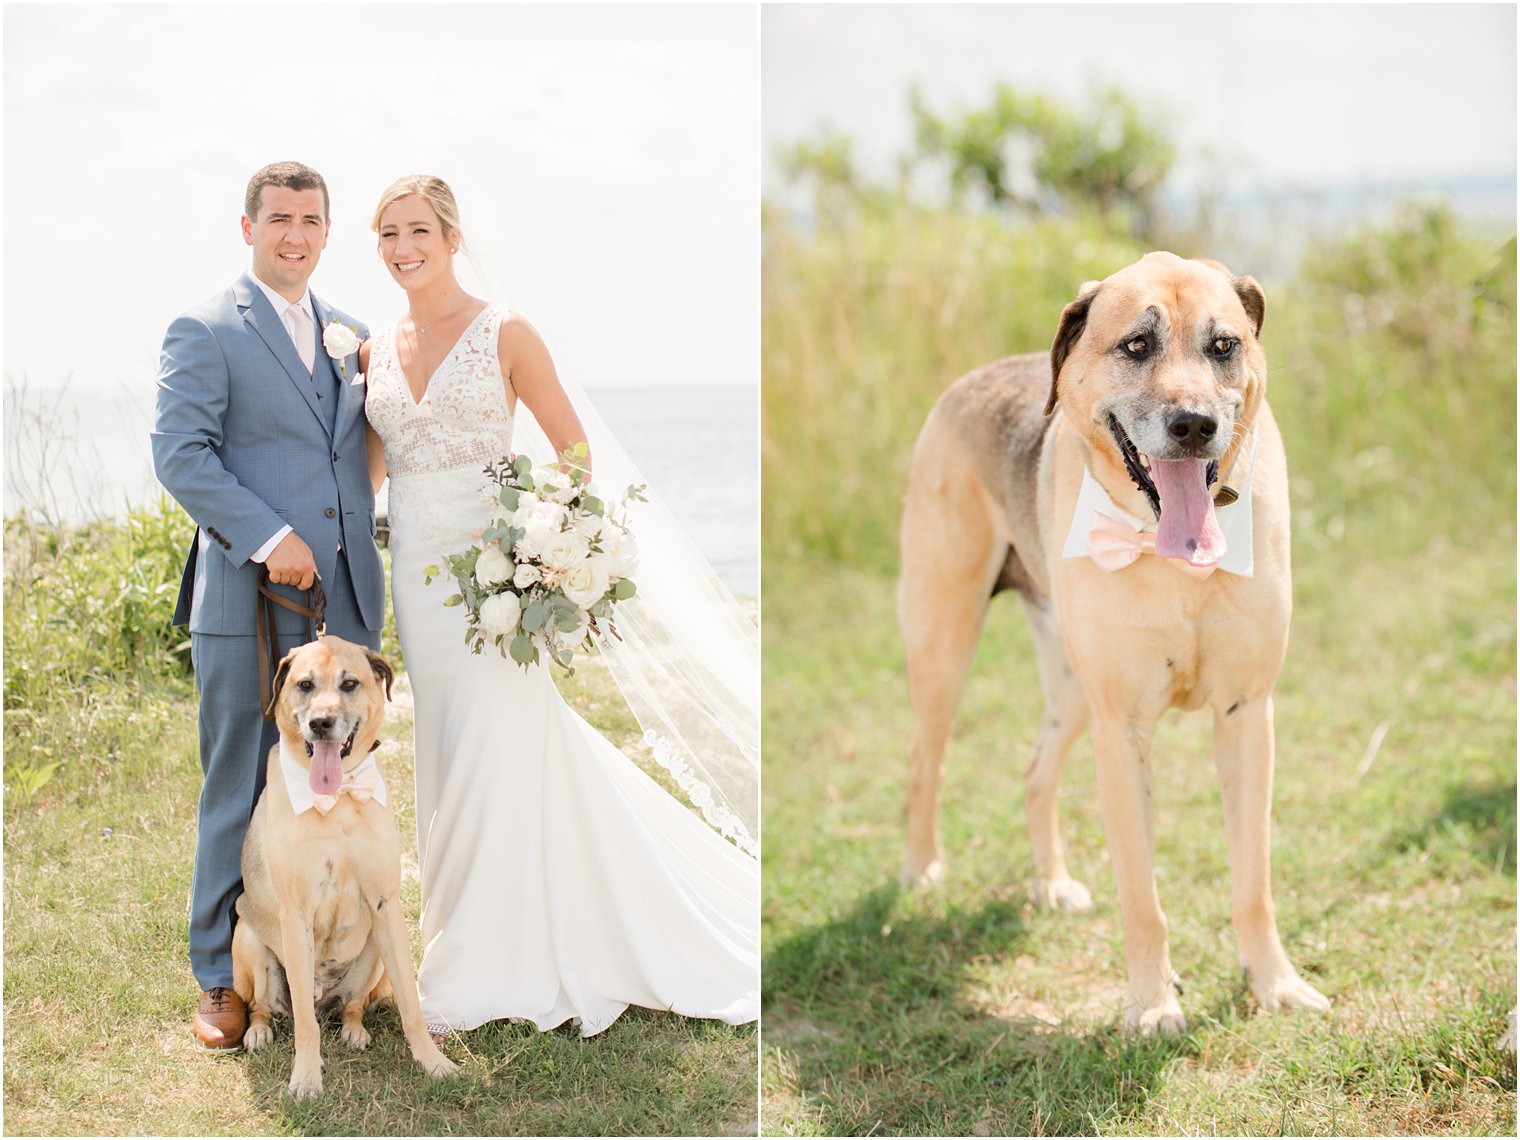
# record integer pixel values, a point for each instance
(74, 453)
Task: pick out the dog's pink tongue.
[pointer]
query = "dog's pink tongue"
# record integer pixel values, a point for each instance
(1188, 529)
(326, 767)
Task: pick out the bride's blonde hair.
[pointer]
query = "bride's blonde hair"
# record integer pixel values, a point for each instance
(434, 191)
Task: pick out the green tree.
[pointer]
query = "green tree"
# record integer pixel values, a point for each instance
(1030, 151)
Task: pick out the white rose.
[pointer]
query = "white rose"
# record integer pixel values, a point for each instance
(492, 567)
(499, 613)
(622, 552)
(340, 340)
(586, 582)
(564, 551)
(527, 575)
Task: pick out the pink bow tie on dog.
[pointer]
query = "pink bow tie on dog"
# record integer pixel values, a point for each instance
(361, 784)
(1113, 546)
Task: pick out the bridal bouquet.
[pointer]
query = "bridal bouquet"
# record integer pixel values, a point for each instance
(551, 563)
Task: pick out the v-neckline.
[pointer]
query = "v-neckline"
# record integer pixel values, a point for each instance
(427, 387)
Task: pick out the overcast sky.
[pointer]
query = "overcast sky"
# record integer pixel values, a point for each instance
(605, 160)
(1275, 94)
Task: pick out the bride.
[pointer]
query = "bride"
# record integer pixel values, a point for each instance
(558, 880)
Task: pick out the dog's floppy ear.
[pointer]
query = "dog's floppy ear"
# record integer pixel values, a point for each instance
(382, 670)
(280, 674)
(1253, 300)
(1073, 323)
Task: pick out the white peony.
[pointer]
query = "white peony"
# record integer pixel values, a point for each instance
(590, 525)
(492, 567)
(552, 483)
(540, 523)
(340, 340)
(564, 551)
(527, 575)
(586, 582)
(499, 614)
(622, 552)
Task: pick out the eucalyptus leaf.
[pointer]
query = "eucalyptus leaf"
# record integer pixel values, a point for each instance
(453, 600)
(522, 650)
(624, 590)
(533, 616)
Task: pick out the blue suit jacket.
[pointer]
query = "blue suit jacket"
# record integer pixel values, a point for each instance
(246, 445)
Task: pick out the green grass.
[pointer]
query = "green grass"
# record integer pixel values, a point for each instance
(98, 858)
(964, 1010)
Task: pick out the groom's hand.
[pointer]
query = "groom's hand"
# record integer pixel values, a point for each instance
(291, 563)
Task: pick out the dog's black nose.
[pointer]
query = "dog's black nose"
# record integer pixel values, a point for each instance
(322, 725)
(1191, 429)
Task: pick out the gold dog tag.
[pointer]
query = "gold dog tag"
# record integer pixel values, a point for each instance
(1225, 496)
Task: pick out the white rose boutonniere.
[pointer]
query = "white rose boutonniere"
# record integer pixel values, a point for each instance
(341, 342)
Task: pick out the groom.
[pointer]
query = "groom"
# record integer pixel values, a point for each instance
(260, 435)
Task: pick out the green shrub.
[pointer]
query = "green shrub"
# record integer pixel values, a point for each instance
(91, 651)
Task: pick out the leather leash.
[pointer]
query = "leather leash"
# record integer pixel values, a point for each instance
(269, 646)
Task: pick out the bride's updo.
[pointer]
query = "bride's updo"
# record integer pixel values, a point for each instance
(434, 191)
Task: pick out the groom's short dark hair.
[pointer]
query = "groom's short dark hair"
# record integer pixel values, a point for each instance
(292, 176)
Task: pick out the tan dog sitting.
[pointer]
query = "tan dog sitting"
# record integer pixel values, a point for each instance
(320, 922)
(1131, 486)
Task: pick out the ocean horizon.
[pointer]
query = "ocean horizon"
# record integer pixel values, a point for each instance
(77, 452)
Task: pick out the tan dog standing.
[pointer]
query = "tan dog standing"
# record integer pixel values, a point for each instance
(320, 922)
(1156, 379)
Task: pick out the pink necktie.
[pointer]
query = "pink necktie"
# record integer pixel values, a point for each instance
(360, 785)
(1113, 546)
(301, 333)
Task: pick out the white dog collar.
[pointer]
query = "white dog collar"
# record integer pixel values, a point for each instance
(364, 781)
(1234, 520)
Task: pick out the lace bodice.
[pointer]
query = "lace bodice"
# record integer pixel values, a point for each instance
(436, 448)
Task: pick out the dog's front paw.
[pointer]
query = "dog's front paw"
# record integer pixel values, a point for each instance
(1061, 894)
(436, 1064)
(1163, 1018)
(259, 1034)
(354, 1035)
(306, 1080)
(1286, 991)
(919, 872)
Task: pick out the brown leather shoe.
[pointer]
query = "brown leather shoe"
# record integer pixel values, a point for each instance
(221, 1019)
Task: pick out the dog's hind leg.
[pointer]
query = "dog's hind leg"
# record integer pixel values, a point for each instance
(951, 555)
(1064, 720)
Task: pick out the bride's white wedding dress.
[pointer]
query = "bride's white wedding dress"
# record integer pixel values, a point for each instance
(558, 880)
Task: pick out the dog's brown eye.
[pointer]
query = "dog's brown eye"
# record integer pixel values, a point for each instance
(1138, 348)
(305, 685)
(349, 685)
(1224, 345)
